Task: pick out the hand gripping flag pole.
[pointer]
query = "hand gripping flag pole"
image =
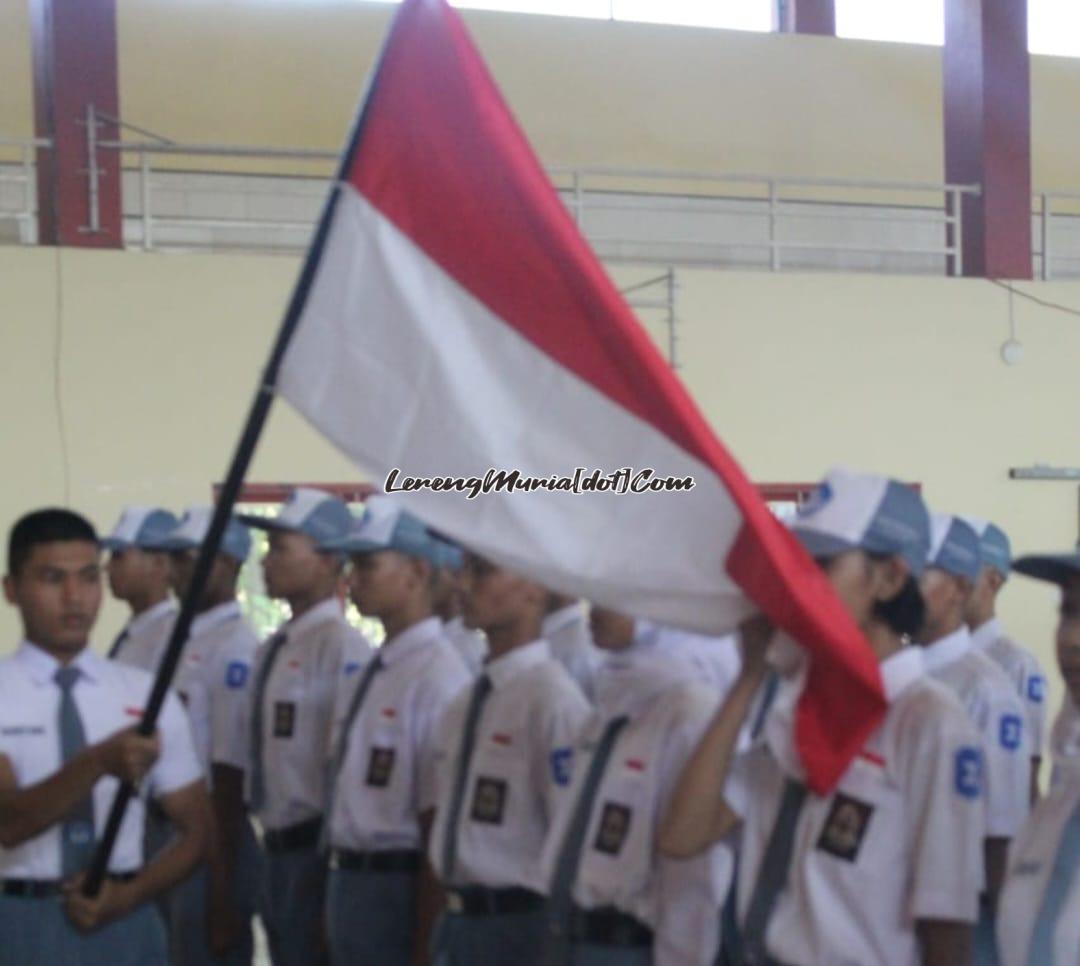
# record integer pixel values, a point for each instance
(230, 491)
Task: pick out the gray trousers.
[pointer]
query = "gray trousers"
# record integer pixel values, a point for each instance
(188, 939)
(292, 896)
(516, 940)
(370, 917)
(36, 932)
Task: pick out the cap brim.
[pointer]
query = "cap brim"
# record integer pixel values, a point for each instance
(1057, 568)
(350, 545)
(112, 543)
(264, 523)
(821, 546)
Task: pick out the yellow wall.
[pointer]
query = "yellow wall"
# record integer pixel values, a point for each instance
(288, 73)
(160, 354)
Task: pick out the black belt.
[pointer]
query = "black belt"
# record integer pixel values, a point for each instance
(391, 860)
(608, 927)
(300, 836)
(44, 888)
(481, 901)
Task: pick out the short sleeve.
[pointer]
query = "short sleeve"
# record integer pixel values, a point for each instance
(945, 811)
(1034, 698)
(230, 708)
(564, 714)
(431, 706)
(177, 765)
(1008, 766)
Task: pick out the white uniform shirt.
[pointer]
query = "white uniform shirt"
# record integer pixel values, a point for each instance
(716, 658)
(471, 645)
(1024, 672)
(520, 766)
(679, 899)
(567, 631)
(898, 840)
(1065, 738)
(297, 715)
(1031, 861)
(147, 635)
(213, 680)
(998, 715)
(109, 697)
(387, 777)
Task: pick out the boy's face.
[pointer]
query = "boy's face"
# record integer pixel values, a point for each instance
(384, 581)
(942, 593)
(292, 566)
(58, 593)
(132, 570)
(611, 631)
(493, 598)
(1068, 637)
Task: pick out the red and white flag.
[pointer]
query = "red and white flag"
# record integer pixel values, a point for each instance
(451, 320)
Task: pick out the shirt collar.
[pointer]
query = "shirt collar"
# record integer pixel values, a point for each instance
(161, 609)
(900, 670)
(418, 636)
(327, 610)
(42, 666)
(562, 618)
(629, 681)
(211, 618)
(985, 634)
(503, 669)
(948, 649)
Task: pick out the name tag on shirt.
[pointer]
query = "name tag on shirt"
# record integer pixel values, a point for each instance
(380, 767)
(489, 801)
(614, 828)
(845, 828)
(284, 719)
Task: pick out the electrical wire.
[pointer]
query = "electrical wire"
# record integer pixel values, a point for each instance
(58, 384)
(1057, 306)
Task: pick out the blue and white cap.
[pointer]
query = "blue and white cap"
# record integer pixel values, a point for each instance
(954, 547)
(315, 513)
(861, 511)
(193, 527)
(386, 525)
(1056, 568)
(452, 556)
(994, 545)
(139, 526)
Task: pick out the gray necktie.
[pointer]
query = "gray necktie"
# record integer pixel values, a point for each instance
(480, 693)
(114, 650)
(77, 830)
(1062, 876)
(375, 665)
(569, 860)
(258, 774)
(773, 873)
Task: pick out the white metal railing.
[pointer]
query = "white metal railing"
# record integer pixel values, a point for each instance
(629, 214)
(23, 174)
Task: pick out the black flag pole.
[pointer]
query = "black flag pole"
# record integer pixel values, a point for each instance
(230, 491)
(234, 478)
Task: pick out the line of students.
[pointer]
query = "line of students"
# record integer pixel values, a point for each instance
(573, 796)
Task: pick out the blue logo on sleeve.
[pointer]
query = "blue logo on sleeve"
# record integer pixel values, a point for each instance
(1036, 689)
(967, 773)
(561, 765)
(236, 674)
(351, 668)
(1010, 731)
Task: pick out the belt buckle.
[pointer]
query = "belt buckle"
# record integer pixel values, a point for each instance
(455, 902)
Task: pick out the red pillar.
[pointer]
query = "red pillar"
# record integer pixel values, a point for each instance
(987, 90)
(806, 17)
(74, 45)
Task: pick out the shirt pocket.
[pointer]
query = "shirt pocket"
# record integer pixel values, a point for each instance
(861, 825)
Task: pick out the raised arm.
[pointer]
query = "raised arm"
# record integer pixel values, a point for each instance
(698, 815)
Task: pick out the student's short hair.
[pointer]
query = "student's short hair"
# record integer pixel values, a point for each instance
(906, 612)
(51, 525)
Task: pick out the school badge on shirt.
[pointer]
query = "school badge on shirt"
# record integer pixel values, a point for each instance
(845, 828)
(489, 801)
(380, 767)
(614, 828)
